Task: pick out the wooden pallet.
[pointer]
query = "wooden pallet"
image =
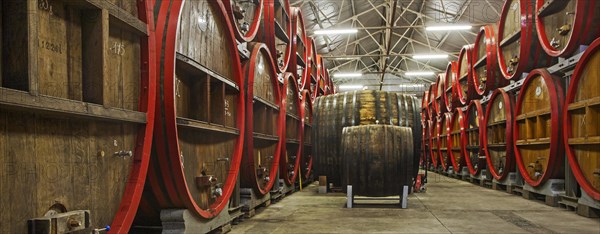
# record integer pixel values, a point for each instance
(551, 200)
(251, 201)
(509, 188)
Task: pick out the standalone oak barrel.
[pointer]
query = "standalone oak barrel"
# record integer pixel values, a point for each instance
(434, 141)
(275, 31)
(200, 131)
(539, 149)
(562, 26)
(486, 71)
(245, 16)
(334, 112)
(444, 135)
(264, 121)
(440, 95)
(457, 136)
(519, 50)
(299, 58)
(449, 87)
(291, 151)
(77, 113)
(473, 144)
(464, 89)
(307, 158)
(581, 128)
(497, 135)
(377, 159)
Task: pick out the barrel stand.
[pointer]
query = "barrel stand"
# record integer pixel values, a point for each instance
(549, 192)
(464, 173)
(511, 184)
(403, 199)
(587, 206)
(483, 178)
(250, 200)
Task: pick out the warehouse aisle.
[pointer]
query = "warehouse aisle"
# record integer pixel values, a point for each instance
(449, 206)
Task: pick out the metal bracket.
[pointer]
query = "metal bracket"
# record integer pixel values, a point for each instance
(243, 50)
(60, 223)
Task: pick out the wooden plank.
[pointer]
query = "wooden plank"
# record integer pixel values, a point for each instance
(594, 140)
(94, 47)
(195, 124)
(32, 48)
(23, 100)
(121, 16)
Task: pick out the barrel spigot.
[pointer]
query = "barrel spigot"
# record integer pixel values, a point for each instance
(124, 153)
(564, 30)
(555, 43)
(98, 230)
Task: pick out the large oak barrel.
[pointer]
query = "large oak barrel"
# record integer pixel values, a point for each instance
(425, 134)
(317, 90)
(275, 31)
(449, 87)
(440, 95)
(377, 159)
(77, 112)
(299, 57)
(519, 50)
(245, 16)
(539, 149)
(291, 151)
(307, 158)
(434, 141)
(443, 131)
(200, 131)
(312, 67)
(497, 134)
(425, 106)
(456, 139)
(582, 131)
(264, 121)
(464, 88)
(431, 104)
(562, 26)
(334, 112)
(486, 71)
(473, 145)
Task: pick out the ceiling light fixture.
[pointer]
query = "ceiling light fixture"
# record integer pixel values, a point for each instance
(351, 87)
(423, 73)
(448, 28)
(336, 31)
(347, 75)
(430, 56)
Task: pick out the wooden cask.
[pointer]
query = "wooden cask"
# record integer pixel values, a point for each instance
(275, 29)
(431, 103)
(299, 53)
(563, 26)
(264, 121)
(450, 100)
(539, 149)
(245, 16)
(311, 66)
(443, 139)
(291, 150)
(464, 89)
(425, 106)
(317, 90)
(307, 156)
(457, 136)
(200, 128)
(486, 70)
(473, 143)
(77, 93)
(377, 159)
(440, 95)
(334, 112)
(497, 135)
(581, 116)
(434, 141)
(519, 49)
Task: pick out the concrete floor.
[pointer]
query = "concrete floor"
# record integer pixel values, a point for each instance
(448, 206)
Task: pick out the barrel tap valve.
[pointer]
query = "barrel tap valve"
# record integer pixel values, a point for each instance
(104, 229)
(124, 153)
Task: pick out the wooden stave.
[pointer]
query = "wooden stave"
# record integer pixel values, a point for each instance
(390, 174)
(464, 96)
(482, 163)
(585, 28)
(531, 44)
(296, 20)
(266, 32)
(494, 75)
(440, 99)
(254, 25)
(580, 70)
(554, 161)
(450, 100)
(289, 78)
(510, 161)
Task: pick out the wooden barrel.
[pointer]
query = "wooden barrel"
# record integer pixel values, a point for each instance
(539, 149)
(200, 131)
(377, 159)
(518, 47)
(434, 141)
(299, 57)
(562, 26)
(431, 103)
(444, 136)
(497, 135)
(77, 113)
(312, 67)
(457, 136)
(275, 29)
(464, 88)
(425, 134)
(245, 16)
(264, 121)
(316, 89)
(580, 117)
(334, 112)
(486, 71)
(291, 151)
(450, 101)
(473, 142)
(307, 158)
(440, 95)
(425, 105)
